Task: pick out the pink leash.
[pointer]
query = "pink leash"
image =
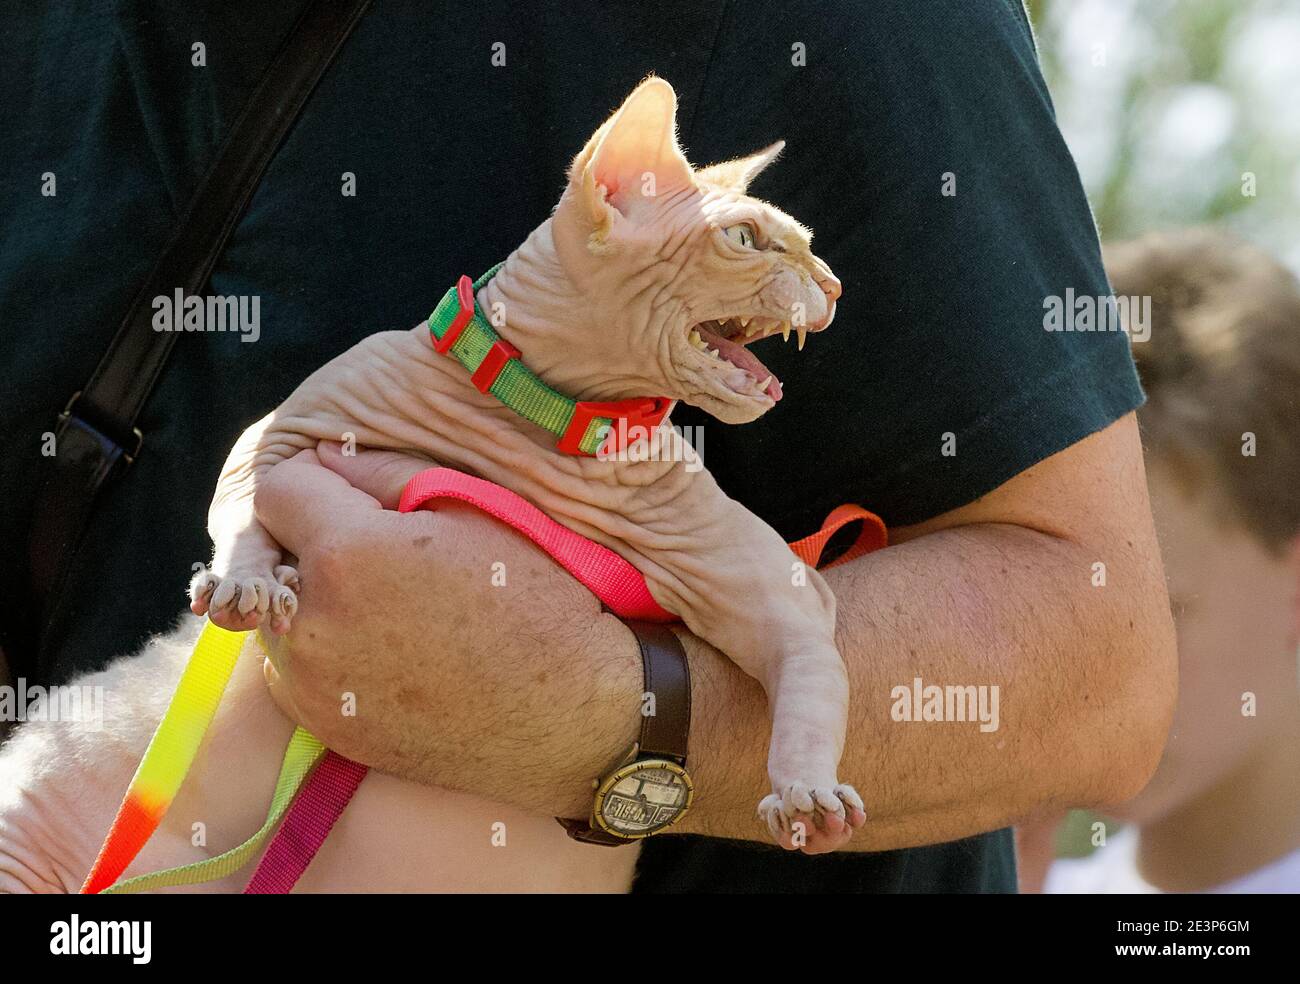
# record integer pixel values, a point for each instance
(306, 825)
(612, 579)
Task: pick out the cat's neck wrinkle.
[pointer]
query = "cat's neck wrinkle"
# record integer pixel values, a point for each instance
(534, 306)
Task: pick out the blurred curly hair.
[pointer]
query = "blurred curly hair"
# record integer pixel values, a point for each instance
(1222, 360)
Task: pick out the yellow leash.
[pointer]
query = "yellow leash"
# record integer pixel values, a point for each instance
(166, 762)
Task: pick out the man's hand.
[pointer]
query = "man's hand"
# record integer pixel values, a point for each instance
(411, 621)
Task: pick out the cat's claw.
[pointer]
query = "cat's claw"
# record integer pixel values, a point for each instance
(813, 819)
(202, 585)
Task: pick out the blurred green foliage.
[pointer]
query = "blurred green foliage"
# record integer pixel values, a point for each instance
(1171, 105)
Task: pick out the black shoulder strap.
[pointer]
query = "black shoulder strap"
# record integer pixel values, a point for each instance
(97, 436)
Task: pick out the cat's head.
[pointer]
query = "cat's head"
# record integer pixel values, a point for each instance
(676, 264)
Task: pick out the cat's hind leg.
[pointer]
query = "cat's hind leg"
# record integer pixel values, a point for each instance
(247, 583)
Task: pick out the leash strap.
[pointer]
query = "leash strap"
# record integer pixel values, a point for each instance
(612, 579)
(169, 755)
(328, 792)
(303, 752)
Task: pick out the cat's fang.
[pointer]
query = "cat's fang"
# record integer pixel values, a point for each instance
(785, 331)
(803, 336)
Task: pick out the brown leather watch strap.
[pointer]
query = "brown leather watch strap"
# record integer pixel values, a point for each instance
(666, 732)
(583, 832)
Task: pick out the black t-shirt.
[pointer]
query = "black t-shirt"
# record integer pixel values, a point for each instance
(939, 334)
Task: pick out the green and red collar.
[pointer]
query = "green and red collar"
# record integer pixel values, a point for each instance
(459, 330)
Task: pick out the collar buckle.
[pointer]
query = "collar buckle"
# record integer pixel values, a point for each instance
(465, 298)
(624, 415)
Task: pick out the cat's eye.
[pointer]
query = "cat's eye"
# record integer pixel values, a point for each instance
(742, 234)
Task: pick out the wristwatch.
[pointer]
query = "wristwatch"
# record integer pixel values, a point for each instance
(649, 789)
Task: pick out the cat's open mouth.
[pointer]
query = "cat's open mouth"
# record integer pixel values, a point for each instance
(726, 341)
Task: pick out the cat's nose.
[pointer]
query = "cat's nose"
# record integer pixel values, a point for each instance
(830, 286)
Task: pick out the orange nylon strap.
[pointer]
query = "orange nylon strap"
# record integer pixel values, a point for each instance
(873, 536)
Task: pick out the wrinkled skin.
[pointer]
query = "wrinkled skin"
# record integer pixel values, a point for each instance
(604, 299)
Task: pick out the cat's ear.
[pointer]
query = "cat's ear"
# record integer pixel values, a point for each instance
(736, 175)
(634, 157)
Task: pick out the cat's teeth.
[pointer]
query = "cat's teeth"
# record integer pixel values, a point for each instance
(714, 353)
(751, 327)
(696, 340)
(785, 331)
(762, 387)
(803, 336)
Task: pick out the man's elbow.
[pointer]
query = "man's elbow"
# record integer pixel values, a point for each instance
(1136, 705)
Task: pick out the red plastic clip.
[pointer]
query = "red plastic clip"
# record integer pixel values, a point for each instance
(465, 295)
(624, 415)
(490, 368)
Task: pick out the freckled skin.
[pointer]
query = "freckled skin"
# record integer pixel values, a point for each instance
(601, 298)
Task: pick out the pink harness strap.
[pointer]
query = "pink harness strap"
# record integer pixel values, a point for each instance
(612, 579)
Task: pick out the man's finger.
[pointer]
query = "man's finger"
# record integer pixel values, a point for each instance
(381, 474)
(300, 503)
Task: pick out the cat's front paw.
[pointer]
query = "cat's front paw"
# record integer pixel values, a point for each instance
(813, 819)
(241, 600)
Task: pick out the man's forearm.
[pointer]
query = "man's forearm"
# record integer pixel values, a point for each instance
(982, 605)
(1004, 592)
(988, 605)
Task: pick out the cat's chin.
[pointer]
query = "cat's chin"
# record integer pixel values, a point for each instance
(725, 411)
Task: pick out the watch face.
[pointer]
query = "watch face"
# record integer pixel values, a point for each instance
(643, 798)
